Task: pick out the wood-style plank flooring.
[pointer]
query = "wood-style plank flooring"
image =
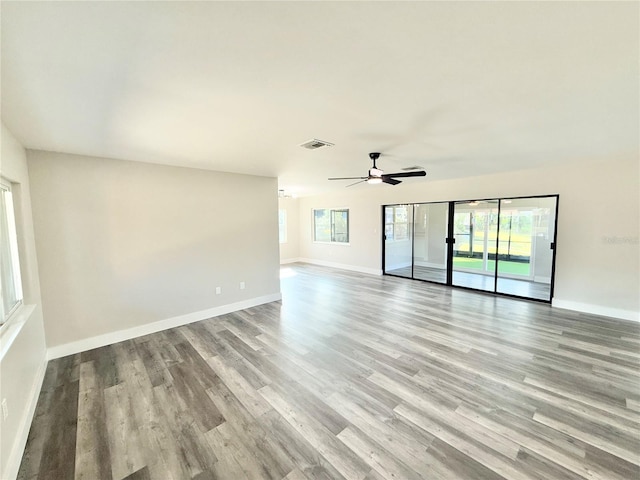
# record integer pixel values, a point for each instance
(352, 376)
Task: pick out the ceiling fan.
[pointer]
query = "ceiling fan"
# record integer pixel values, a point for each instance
(378, 176)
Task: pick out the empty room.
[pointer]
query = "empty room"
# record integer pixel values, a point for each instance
(320, 240)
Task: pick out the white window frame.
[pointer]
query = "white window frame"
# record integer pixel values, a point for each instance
(11, 268)
(332, 240)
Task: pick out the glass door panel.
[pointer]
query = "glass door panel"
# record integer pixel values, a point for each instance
(525, 254)
(499, 245)
(475, 230)
(398, 240)
(430, 247)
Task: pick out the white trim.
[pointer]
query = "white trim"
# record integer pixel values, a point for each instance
(342, 266)
(289, 260)
(11, 328)
(597, 310)
(540, 279)
(20, 442)
(122, 335)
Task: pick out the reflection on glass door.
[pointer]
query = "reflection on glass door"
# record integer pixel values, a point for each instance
(429, 246)
(475, 229)
(525, 249)
(398, 240)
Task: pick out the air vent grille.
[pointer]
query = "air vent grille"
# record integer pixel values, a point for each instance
(314, 144)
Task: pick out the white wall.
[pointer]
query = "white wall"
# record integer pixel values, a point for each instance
(22, 365)
(598, 259)
(430, 250)
(290, 251)
(125, 247)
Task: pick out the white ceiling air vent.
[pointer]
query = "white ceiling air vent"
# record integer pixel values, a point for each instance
(314, 144)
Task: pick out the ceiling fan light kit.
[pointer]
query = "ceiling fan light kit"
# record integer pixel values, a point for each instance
(376, 175)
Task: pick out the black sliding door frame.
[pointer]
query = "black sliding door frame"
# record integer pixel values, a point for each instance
(450, 245)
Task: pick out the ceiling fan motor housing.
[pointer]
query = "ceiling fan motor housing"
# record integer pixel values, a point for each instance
(377, 175)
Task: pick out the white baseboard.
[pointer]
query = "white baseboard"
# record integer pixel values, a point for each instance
(289, 260)
(20, 441)
(122, 335)
(342, 266)
(538, 279)
(597, 310)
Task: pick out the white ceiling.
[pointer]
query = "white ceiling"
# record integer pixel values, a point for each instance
(460, 88)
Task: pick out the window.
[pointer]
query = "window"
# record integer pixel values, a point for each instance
(331, 226)
(10, 284)
(282, 225)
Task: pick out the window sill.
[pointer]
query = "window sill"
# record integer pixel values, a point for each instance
(333, 243)
(11, 328)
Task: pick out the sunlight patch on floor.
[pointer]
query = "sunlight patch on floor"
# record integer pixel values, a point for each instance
(287, 272)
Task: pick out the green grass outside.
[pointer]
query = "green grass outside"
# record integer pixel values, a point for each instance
(513, 268)
(520, 244)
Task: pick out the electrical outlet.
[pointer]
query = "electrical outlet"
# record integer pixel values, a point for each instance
(218, 290)
(241, 285)
(5, 409)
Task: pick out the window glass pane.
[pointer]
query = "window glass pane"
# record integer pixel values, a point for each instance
(10, 285)
(340, 226)
(322, 225)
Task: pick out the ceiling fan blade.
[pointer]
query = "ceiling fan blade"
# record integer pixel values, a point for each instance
(419, 173)
(348, 178)
(390, 181)
(351, 185)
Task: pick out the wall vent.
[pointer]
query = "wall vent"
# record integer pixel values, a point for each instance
(314, 144)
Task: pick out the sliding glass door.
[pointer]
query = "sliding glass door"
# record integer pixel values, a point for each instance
(429, 242)
(475, 229)
(398, 240)
(504, 246)
(525, 249)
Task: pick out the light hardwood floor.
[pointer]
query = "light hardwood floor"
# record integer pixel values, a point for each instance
(352, 376)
